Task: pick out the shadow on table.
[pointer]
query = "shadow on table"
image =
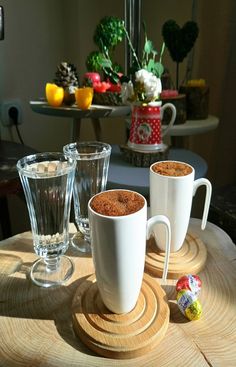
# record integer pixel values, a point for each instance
(64, 320)
(176, 317)
(25, 245)
(20, 298)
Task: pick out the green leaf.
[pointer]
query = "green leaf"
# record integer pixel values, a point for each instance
(109, 32)
(148, 47)
(158, 69)
(106, 63)
(93, 61)
(155, 67)
(151, 65)
(113, 76)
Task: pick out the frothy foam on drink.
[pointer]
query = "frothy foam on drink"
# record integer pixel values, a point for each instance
(170, 168)
(117, 203)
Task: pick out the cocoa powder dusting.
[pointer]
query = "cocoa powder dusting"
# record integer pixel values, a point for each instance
(117, 203)
(172, 168)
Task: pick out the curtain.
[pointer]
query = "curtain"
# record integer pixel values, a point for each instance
(215, 60)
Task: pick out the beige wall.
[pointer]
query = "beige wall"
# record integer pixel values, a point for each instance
(41, 34)
(34, 43)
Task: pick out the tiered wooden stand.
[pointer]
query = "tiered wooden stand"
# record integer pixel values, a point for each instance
(190, 259)
(125, 335)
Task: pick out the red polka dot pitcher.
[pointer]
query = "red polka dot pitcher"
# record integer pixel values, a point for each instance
(146, 131)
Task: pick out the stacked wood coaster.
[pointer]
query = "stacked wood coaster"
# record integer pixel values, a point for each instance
(190, 259)
(120, 336)
(139, 158)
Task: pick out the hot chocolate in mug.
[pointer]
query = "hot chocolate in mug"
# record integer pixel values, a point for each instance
(119, 229)
(172, 187)
(146, 131)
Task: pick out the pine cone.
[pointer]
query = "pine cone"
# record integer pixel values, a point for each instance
(67, 77)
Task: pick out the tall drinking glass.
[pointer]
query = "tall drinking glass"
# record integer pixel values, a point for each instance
(90, 178)
(47, 180)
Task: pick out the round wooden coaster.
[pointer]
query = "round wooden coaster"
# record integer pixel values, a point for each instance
(120, 336)
(190, 259)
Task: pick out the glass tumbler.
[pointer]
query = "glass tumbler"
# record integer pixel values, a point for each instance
(47, 180)
(91, 173)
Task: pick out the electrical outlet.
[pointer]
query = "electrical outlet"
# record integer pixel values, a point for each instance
(5, 107)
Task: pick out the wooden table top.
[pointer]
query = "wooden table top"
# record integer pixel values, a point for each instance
(36, 324)
(96, 111)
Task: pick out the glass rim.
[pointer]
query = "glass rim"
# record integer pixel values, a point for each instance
(23, 163)
(106, 149)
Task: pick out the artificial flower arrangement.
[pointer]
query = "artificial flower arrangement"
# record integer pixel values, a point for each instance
(106, 76)
(145, 85)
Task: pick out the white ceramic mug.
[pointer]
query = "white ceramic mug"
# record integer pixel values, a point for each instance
(118, 251)
(172, 197)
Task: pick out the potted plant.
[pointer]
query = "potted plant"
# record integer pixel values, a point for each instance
(103, 71)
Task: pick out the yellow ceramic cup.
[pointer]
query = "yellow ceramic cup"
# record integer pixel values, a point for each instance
(54, 94)
(84, 97)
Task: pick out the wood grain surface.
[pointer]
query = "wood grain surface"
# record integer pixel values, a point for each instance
(190, 259)
(36, 324)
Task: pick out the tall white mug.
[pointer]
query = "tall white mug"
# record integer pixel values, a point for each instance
(172, 187)
(119, 247)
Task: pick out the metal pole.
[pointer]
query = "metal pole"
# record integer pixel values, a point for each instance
(133, 10)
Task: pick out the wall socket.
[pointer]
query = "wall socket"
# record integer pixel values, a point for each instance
(5, 107)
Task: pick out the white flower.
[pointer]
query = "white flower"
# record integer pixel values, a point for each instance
(153, 88)
(142, 75)
(151, 84)
(147, 88)
(127, 91)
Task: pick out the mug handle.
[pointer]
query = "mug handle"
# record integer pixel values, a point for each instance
(163, 220)
(196, 184)
(173, 116)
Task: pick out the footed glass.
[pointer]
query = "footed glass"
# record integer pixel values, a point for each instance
(47, 180)
(92, 162)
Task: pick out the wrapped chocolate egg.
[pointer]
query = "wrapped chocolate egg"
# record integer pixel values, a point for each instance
(190, 282)
(188, 304)
(194, 311)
